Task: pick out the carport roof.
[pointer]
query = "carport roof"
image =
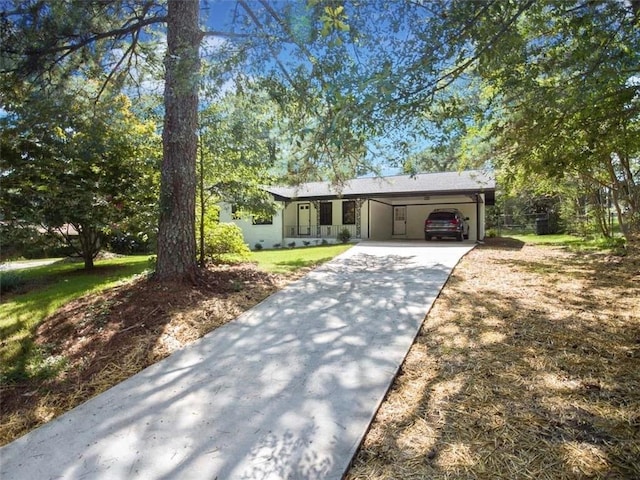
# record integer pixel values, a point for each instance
(468, 182)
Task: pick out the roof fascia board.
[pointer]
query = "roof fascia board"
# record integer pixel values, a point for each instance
(351, 196)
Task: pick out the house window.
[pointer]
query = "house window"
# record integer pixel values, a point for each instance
(263, 220)
(326, 213)
(235, 213)
(349, 212)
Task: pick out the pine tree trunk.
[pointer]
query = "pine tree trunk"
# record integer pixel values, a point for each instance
(176, 232)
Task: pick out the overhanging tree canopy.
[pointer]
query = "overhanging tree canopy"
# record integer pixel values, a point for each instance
(366, 69)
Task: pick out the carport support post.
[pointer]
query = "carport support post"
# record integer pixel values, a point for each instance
(478, 239)
(368, 219)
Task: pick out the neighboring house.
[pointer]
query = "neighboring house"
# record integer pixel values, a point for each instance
(378, 208)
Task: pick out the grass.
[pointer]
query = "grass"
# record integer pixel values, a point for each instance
(556, 239)
(289, 260)
(573, 242)
(49, 288)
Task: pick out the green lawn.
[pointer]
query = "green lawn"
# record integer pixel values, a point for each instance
(554, 239)
(573, 242)
(290, 259)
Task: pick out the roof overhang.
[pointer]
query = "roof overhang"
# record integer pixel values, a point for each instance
(466, 183)
(489, 195)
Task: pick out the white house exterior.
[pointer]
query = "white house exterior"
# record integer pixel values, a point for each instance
(380, 208)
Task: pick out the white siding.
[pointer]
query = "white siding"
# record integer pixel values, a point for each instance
(376, 220)
(267, 235)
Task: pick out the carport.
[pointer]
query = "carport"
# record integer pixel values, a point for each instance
(401, 214)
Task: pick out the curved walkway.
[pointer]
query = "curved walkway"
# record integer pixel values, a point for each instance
(286, 391)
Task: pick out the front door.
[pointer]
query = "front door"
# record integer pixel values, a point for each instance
(400, 220)
(304, 219)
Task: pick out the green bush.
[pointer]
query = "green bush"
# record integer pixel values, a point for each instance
(344, 236)
(224, 243)
(128, 243)
(25, 241)
(10, 281)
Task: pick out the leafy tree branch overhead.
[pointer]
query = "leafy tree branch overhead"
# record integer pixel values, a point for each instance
(543, 86)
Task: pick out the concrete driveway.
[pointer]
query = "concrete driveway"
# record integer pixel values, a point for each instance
(286, 391)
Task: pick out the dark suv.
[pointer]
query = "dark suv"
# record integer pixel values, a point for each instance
(446, 222)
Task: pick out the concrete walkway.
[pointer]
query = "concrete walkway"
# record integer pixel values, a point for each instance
(286, 391)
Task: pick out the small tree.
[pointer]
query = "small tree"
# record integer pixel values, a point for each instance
(76, 167)
(235, 157)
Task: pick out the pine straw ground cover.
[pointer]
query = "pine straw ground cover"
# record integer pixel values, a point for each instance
(528, 366)
(105, 338)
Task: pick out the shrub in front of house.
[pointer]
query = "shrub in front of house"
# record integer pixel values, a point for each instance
(224, 243)
(344, 236)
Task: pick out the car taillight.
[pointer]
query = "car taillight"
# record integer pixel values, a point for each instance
(454, 221)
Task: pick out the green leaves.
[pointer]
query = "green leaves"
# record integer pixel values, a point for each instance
(334, 20)
(75, 162)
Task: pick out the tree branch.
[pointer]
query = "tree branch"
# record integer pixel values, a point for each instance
(117, 33)
(454, 74)
(257, 22)
(218, 33)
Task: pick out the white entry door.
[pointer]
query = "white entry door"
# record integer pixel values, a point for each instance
(400, 220)
(304, 219)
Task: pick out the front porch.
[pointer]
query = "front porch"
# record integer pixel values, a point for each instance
(320, 232)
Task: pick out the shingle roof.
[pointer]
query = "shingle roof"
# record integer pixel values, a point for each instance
(470, 181)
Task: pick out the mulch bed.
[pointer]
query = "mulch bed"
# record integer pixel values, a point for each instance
(527, 366)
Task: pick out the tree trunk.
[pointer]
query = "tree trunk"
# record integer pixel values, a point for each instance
(176, 231)
(88, 260)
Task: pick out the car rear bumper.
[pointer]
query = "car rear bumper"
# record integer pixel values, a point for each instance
(444, 232)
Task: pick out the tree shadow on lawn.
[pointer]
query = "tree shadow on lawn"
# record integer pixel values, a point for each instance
(504, 384)
(502, 243)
